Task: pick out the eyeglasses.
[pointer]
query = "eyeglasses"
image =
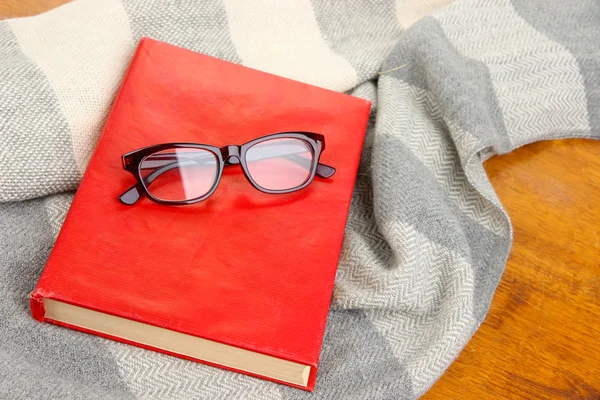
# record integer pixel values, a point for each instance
(186, 173)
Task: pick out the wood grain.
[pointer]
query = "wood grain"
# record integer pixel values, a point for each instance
(541, 338)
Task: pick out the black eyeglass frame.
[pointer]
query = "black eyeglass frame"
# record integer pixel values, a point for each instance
(225, 156)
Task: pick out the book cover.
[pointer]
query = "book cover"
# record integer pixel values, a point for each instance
(241, 270)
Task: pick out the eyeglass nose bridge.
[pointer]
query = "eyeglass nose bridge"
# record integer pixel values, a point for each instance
(231, 154)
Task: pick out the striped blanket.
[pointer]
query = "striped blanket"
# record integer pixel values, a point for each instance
(427, 238)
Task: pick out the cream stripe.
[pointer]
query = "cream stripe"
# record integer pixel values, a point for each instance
(83, 48)
(410, 11)
(283, 38)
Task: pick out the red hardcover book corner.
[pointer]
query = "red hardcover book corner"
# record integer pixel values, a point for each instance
(242, 280)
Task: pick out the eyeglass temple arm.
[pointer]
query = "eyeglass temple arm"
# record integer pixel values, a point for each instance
(323, 170)
(133, 194)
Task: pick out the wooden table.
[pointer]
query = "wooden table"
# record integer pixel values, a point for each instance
(541, 338)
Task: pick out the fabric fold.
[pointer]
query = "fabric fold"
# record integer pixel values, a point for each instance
(427, 238)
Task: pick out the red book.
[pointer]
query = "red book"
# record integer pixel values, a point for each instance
(242, 280)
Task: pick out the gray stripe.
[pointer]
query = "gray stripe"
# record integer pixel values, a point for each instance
(415, 196)
(368, 91)
(41, 356)
(360, 31)
(466, 97)
(198, 26)
(462, 86)
(356, 363)
(488, 254)
(36, 153)
(575, 26)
